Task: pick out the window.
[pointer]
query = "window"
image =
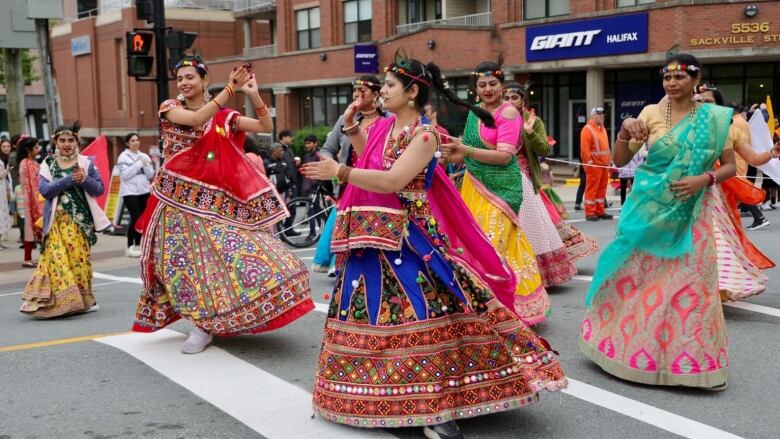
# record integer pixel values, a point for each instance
(544, 8)
(415, 11)
(323, 105)
(624, 3)
(86, 8)
(357, 21)
(307, 23)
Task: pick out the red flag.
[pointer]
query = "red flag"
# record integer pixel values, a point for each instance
(98, 151)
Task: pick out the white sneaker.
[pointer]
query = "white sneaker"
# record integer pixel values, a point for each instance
(93, 308)
(332, 271)
(133, 252)
(197, 342)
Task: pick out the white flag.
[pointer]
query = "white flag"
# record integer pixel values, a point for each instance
(762, 142)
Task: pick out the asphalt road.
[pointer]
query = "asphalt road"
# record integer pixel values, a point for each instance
(60, 379)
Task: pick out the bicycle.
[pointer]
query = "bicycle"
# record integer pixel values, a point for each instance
(314, 210)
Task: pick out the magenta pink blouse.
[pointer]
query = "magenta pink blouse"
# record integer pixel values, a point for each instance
(507, 131)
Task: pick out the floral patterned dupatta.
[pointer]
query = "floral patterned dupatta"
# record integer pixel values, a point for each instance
(653, 220)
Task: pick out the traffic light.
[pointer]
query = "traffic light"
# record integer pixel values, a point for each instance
(139, 62)
(178, 41)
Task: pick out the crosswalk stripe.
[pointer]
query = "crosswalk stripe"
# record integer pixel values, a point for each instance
(646, 413)
(263, 402)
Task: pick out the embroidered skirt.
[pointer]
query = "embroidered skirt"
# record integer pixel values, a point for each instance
(414, 337)
(551, 255)
(62, 282)
(660, 321)
(531, 301)
(224, 279)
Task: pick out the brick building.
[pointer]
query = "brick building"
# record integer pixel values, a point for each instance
(576, 53)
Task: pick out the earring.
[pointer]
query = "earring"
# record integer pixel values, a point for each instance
(478, 99)
(411, 104)
(206, 95)
(179, 97)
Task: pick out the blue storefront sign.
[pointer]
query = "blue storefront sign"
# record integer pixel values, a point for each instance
(587, 38)
(630, 98)
(366, 58)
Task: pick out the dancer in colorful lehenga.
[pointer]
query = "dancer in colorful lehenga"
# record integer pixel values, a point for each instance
(654, 313)
(739, 260)
(338, 147)
(27, 148)
(493, 187)
(415, 335)
(62, 282)
(551, 254)
(578, 245)
(207, 254)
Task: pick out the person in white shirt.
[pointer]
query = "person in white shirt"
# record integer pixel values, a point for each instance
(136, 172)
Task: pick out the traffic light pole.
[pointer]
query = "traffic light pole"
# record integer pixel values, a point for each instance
(161, 60)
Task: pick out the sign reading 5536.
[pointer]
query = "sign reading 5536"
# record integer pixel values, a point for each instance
(749, 28)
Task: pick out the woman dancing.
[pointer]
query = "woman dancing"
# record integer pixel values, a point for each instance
(654, 313)
(206, 254)
(493, 186)
(62, 282)
(415, 335)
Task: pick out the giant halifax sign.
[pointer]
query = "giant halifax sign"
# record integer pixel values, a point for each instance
(587, 38)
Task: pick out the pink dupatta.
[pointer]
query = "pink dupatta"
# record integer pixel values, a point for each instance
(467, 241)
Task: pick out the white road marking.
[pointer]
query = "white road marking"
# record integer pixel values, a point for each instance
(302, 250)
(19, 293)
(582, 220)
(263, 402)
(755, 308)
(129, 280)
(646, 413)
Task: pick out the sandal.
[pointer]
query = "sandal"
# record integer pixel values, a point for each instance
(29, 264)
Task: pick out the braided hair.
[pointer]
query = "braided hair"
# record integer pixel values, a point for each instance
(426, 76)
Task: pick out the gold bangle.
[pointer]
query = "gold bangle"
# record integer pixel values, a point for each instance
(469, 151)
(229, 90)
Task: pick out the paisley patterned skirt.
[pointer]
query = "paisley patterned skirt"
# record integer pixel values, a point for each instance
(738, 276)
(414, 337)
(551, 255)
(62, 281)
(660, 321)
(224, 279)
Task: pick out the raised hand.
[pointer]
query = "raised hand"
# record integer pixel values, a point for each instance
(239, 76)
(250, 87)
(528, 124)
(324, 169)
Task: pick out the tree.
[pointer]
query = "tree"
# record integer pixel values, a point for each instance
(13, 79)
(28, 67)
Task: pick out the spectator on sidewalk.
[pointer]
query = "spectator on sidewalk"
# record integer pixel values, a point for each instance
(595, 156)
(135, 173)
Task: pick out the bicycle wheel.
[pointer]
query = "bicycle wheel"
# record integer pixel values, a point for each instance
(308, 219)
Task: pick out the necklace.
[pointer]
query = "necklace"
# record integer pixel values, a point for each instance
(369, 114)
(193, 108)
(63, 157)
(668, 120)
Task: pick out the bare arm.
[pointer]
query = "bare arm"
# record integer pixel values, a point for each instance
(416, 157)
(356, 136)
(264, 123)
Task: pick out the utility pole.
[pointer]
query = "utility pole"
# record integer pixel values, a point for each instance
(161, 59)
(53, 116)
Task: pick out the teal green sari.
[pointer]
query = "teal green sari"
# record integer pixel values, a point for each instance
(653, 220)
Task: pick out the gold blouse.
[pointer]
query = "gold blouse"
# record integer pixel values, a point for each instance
(655, 120)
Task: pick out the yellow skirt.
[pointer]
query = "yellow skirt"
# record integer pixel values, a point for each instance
(62, 282)
(531, 301)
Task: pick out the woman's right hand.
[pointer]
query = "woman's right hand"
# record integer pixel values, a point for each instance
(239, 76)
(351, 112)
(634, 129)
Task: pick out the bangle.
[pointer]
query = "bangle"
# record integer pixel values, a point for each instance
(342, 175)
(713, 178)
(353, 129)
(262, 111)
(229, 90)
(469, 151)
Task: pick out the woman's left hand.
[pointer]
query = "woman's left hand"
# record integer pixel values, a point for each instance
(324, 169)
(250, 87)
(687, 187)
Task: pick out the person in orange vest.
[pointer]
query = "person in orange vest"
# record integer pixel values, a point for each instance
(594, 150)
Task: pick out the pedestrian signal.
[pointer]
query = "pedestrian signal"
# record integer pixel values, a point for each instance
(139, 44)
(177, 42)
